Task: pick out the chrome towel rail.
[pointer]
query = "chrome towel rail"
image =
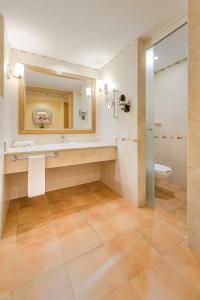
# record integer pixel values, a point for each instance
(15, 157)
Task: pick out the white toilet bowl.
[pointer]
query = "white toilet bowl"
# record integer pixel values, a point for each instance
(161, 172)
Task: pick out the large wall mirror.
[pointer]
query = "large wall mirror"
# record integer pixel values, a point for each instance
(52, 102)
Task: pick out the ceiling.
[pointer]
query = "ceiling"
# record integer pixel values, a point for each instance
(171, 49)
(86, 32)
(35, 79)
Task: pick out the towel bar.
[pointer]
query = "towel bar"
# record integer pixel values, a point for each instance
(15, 157)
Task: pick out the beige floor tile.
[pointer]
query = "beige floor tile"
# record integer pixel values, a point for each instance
(75, 190)
(10, 227)
(120, 205)
(14, 204)
(160, 237)
(98, 212)
(97, 185)
(163, 283)
(172, 210)
(169, 205)
(34, 238)
(30, 264)
(64, 213)
(27, 202)
(61, 195)
(5, 296)
(167, 186)
(177, 219)
(186, 262)
(69, 221)
(134, 254)
(77, 240)
(6, 274)
(65, 194)
(144, 256)
(7, 248)
(95, 275)
(151, 213)
(119, 223)
(126, 292)
(53, 285)
(164, 193)
(61, 208)
(106, 193)
(34, 224)
(180, 194)
(33, 214)
(12, 213)
(9, 231)
(86, 199)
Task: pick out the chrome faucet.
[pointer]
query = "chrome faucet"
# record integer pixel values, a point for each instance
(62, 139)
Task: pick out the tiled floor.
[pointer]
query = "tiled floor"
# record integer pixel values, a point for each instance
(87, 243)
(171, 202)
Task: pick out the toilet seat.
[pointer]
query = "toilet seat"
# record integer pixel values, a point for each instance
(158, 168)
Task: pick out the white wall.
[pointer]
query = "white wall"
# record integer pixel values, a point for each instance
(170, 109)
(4, 133)
(121, 74)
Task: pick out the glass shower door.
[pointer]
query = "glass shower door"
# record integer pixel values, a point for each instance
(150, 186)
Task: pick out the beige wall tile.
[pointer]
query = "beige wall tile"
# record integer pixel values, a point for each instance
(194, 127)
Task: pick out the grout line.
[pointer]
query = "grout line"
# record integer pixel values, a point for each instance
(70, 282)
(180, 275)
(171, 228)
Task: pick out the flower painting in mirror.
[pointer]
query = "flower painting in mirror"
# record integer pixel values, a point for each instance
(42, 118)
(51, 102)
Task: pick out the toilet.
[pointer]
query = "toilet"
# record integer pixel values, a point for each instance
(161, 172)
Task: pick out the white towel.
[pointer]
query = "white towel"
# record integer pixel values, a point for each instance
(36, 175)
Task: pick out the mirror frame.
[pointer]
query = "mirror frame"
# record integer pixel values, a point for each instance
(21, 101)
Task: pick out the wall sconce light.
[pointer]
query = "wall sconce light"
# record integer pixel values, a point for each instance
(83, 111)
(100, 85)
(109, 103)
(82, 114)
(88, 91)
(115, 104)
(18, 71)
(108, 98)
(103, 88)
(124, 104)
(106, 89)
(112, 102)
(110, 95)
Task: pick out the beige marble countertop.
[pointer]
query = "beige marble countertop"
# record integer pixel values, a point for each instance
(58, 147)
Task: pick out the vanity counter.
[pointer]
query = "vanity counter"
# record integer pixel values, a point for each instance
(57, 147)
(68, 154)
